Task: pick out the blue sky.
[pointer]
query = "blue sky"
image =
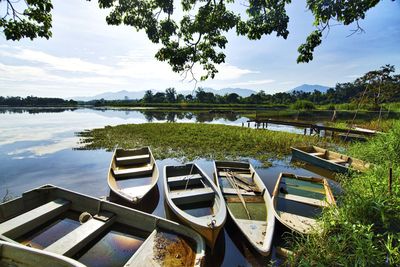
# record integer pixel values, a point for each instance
(86, 57)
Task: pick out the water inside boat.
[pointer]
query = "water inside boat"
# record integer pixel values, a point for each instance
(302, 188)
(297, 208)
(51, 231)
(134, 182)
(198, 209)
(114, 248)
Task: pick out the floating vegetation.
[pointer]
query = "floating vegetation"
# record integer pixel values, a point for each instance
(189, 141)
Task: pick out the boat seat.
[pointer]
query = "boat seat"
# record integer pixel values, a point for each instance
(305, 200)
(132, 159)
(318, 154)
(132, 172)
(182, 197)
(338, 161)
(28, 221)
(182, 180)
(232, 191)
(73, 242)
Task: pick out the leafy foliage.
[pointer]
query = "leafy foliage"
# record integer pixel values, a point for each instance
(34, 21)
(198, 34)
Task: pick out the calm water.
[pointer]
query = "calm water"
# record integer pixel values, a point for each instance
(36, 148)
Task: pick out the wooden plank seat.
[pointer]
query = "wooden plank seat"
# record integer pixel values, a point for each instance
(182, 197)
(28, 221)
(318, 154)
(232, 191)
(338, 161)
(132, 172)
(304, 224)
(305, 200)
(133, 159)
(73, 242)
(182, 180)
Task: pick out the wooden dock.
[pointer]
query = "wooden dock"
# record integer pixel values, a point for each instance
(312, 128)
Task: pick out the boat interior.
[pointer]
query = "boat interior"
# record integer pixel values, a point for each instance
(300, 199)
(237, 183)
(191, 191)
(93, 232)
(133, 171)
(329, 155)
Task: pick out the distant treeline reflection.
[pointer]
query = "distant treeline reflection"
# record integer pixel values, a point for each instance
(169, 116)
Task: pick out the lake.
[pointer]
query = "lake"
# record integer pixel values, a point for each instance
(37, 148)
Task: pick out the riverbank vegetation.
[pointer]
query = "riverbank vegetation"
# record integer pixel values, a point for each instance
(32, 101)
(364, 230)
(372, 91)
(192, 140)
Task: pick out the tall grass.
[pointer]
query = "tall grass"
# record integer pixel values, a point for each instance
(365, 229)
(191, 140)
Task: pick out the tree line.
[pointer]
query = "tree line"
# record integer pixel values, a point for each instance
(33, 101)
(375, 87)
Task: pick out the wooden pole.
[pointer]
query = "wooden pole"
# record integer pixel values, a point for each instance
(390, 180)
(248, 124)
(242, 124)
(305, 131)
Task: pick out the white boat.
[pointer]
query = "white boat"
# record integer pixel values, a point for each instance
(132, 173)
(248, 201)
(195, 200)
(96, 232)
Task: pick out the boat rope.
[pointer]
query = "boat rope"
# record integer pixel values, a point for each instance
(232, 181)
(189, 176)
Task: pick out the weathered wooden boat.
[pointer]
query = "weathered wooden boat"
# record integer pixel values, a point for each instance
(133, 173)
(298, 200)
(248, 201)
(195, 200)
(96, 232)
(16, 255)
(328, 159)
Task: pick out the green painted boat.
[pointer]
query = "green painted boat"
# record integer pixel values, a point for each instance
(297, 200)
(330, 160)
(96, 232)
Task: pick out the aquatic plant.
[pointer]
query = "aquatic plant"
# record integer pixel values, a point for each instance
(194, 140)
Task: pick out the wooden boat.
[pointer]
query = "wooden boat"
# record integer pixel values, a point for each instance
(96, 232)
(298, 200)
(195, 200)
(328, 159)
(16, 255)
(133, 173)
(248, 201)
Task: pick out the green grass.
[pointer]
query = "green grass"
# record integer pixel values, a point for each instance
(194, 140)
(364, 230)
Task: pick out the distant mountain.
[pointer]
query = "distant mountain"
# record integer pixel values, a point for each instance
(308, 88)
(120, 95)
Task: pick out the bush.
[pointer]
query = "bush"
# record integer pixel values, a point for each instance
(303, 105)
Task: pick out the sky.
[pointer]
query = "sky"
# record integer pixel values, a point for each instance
(86, 57)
